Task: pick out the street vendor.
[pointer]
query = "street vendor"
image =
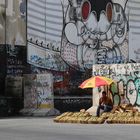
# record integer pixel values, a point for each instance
(105, 103)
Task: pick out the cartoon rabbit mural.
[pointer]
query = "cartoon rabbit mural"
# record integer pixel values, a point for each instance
(94, 33)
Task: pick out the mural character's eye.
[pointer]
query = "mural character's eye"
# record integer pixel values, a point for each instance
(85, 9)
(109, 12)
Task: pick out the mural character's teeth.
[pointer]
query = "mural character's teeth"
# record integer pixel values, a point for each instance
(103, 24)
(91, 22)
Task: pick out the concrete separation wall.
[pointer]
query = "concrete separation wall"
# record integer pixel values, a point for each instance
(127, 80)
(38, 95)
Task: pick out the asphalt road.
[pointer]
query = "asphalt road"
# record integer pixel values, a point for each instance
(27, 128)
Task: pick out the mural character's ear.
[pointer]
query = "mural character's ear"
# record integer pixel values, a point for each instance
(85, 9)
(109, 12)
(121, 2)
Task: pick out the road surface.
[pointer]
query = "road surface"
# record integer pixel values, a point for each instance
(43, 128)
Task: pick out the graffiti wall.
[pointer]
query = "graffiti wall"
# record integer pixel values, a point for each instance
(12, 39)
(68, 37)
(30, 90)
(15, 36)
(38, 91)
(127, 81)
(45, 91)
(83, 32)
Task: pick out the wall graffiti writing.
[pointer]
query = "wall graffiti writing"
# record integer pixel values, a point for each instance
(127, 81)
(45, 91)
(45, 59)
(13, 39)
(30, 96)
(38, 91)
(73, 104)
(15, 59)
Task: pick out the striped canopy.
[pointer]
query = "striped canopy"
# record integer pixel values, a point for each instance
(96, 81)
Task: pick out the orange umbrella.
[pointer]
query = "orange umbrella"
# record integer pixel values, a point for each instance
(96, 81)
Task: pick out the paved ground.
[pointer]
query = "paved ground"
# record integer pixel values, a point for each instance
(28, 128)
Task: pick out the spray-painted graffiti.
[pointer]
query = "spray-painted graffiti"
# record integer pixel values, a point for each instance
(71, 35)
(30, 96)
(45, 91)
(45, 59)
(38, 91)
(94, 33)
(89, 33)
(131, 91)
(13, 39)
(127, 81)
(15, 60)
